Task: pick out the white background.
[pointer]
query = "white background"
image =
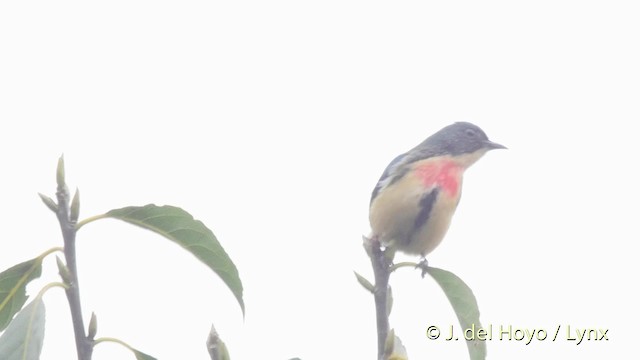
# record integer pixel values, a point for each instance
(271, 121)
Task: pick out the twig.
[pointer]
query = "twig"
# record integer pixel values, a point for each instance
(84, 345)
(380, 264)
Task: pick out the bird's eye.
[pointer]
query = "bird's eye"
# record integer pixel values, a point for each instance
(470, 132)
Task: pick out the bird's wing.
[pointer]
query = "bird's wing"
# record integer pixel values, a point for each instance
(397, 167)
(386, 179)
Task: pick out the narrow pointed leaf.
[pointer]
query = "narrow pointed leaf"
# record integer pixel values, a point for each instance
(60, 172)
(465, 306)
(93, 327)
(22, 340)
(142, 356)
(63, 270)
(216, 347)
(364, 282)
(13, 283)
(49, 202)
(137, 353)
(75, 207)
(399, 351)
(180, 227)
(388, 343)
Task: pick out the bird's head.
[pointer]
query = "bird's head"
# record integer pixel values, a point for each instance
(463, 141)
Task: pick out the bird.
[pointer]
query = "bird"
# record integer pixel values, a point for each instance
(413, 202)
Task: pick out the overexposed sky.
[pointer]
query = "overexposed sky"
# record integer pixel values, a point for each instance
(271, 121)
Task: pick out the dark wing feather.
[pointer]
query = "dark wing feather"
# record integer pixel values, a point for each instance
(385, 175)
(397, 166)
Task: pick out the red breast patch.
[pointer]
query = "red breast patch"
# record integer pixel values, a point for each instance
(444, 174)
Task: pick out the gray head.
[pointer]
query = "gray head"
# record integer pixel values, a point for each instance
(456, 139)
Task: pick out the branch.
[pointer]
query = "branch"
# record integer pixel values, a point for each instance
(84, 345)
(381, 269)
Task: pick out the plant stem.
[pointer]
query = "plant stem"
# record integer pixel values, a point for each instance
(84, 345)
(88, 220)
(401, 265)
(113, 340)
(381, 272)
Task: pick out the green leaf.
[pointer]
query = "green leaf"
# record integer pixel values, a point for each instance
(465, 306)
(92, 330)
(23, 338)
(216, 347)
(365, 283)
(13, 283)
(60, 172)
(138, 354)
(142, 356)
(393, 347)
(49, 202)
(74, 211)
(64, 272)
(180, 227)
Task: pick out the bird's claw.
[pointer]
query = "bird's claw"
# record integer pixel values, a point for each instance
(423, 265)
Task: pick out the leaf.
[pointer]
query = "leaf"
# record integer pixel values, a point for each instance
(60, 172)
(13, 283)
(142, 356)
(465, 306)
(216, 347)
(49, 202)
(23, 338)
(92, 329)
(74, 210)
(180, 227)
(395, 350)
(137, 353)
(365, 283)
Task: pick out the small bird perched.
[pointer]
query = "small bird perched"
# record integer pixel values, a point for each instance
(413, 202)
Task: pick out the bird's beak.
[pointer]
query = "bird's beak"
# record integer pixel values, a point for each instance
(491, 145)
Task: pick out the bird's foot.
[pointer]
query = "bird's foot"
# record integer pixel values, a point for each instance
(423, 265)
